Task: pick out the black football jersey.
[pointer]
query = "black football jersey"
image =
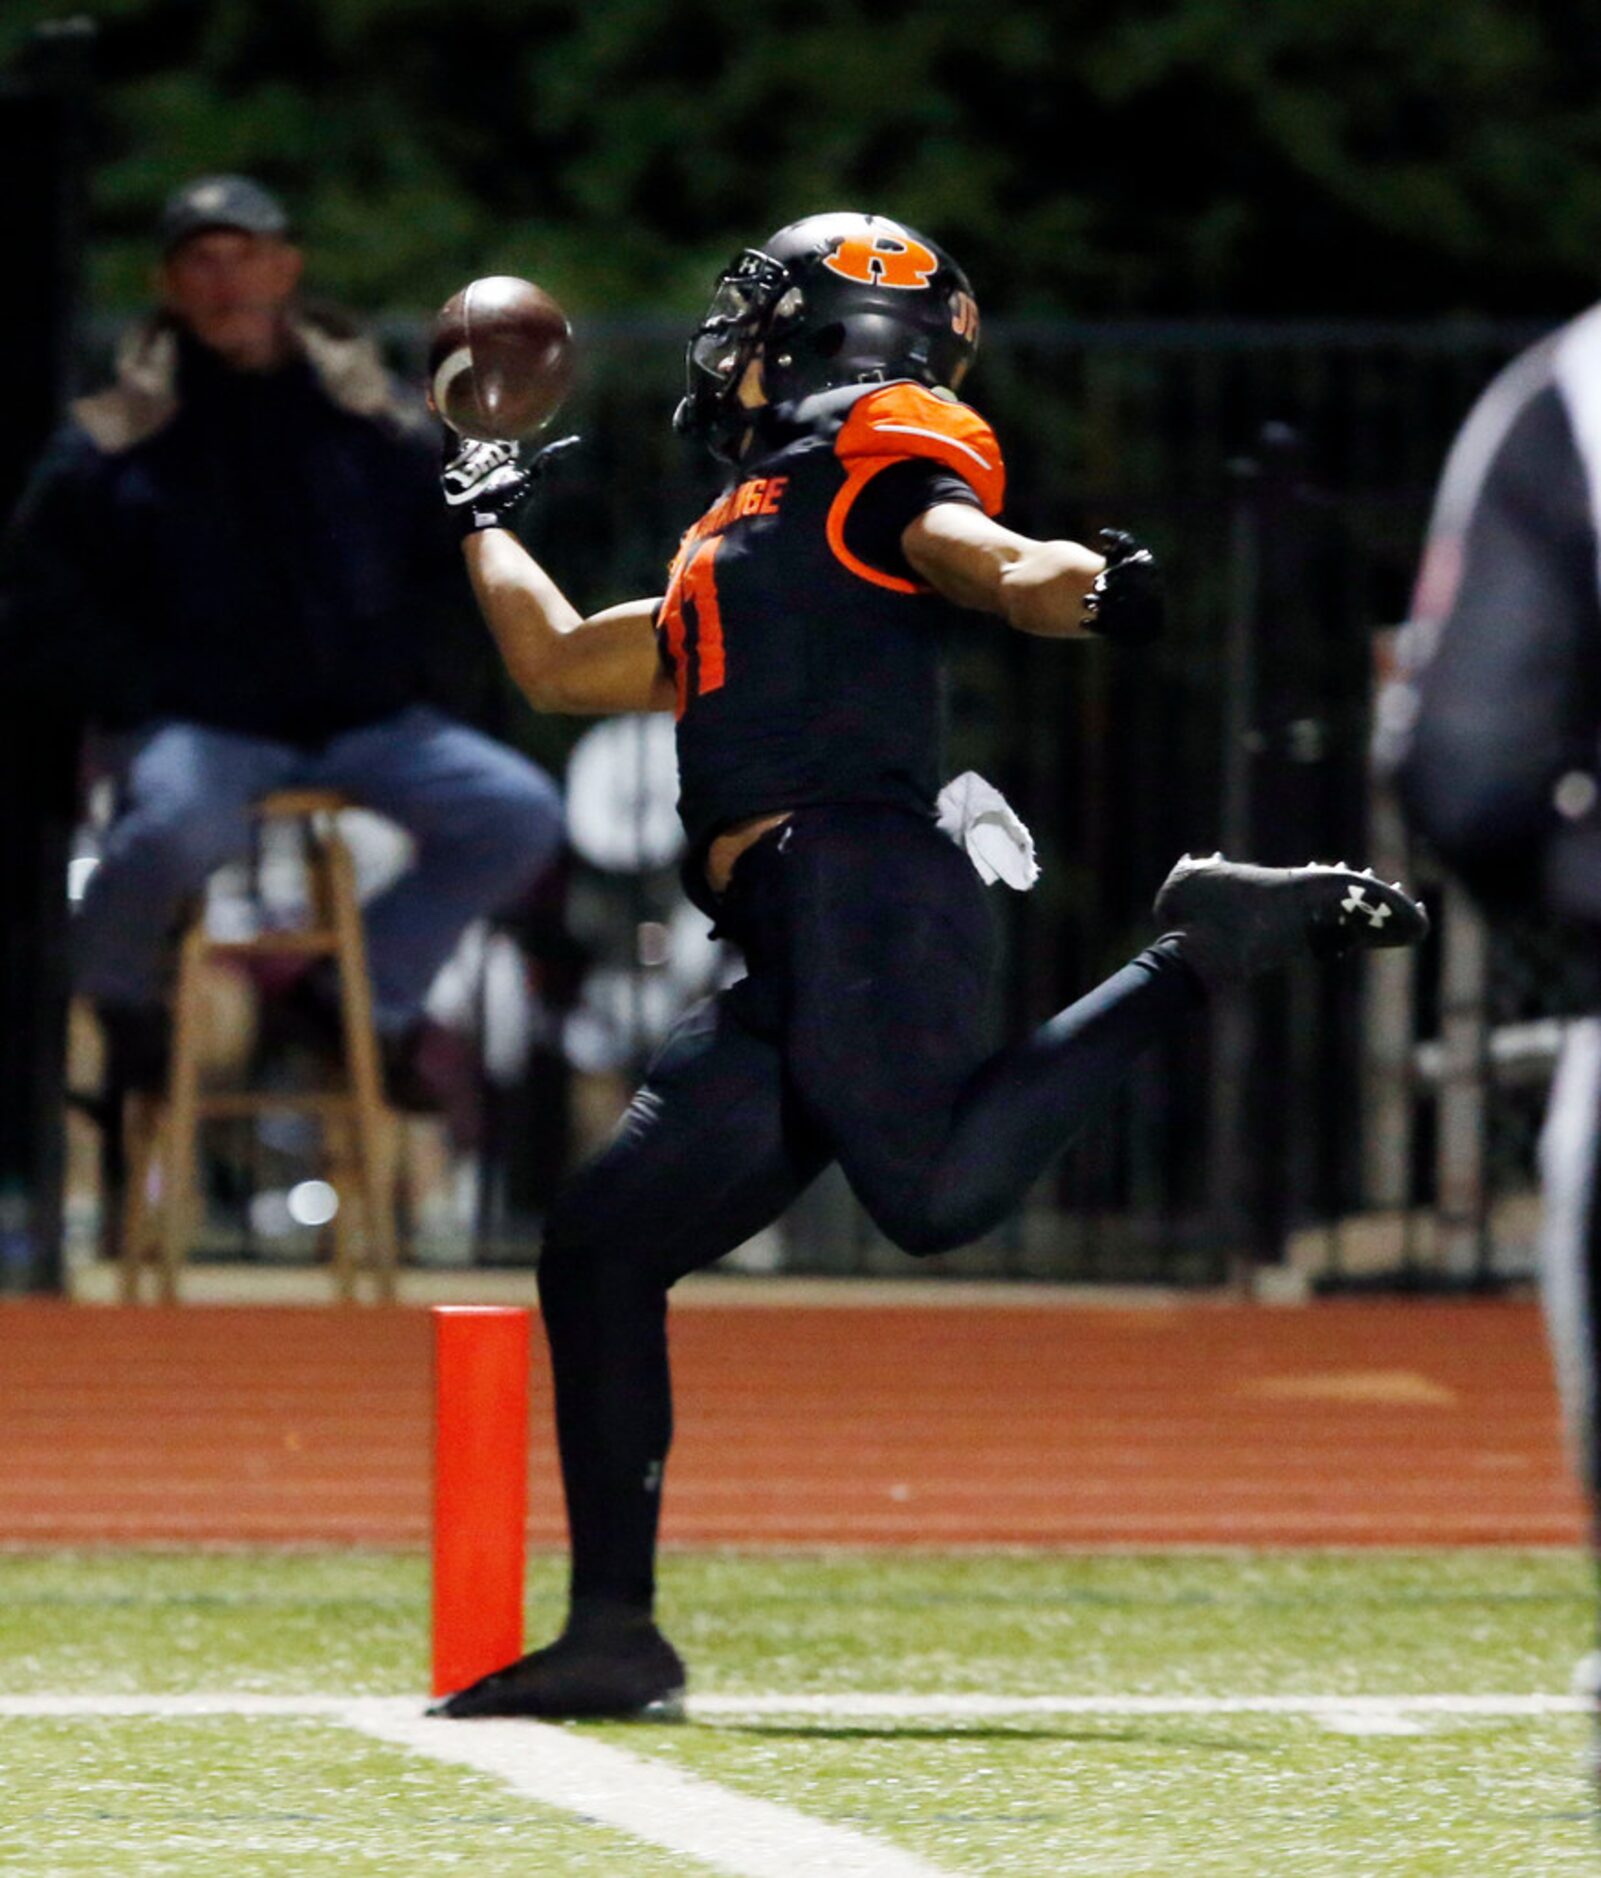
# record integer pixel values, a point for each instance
(806, 653)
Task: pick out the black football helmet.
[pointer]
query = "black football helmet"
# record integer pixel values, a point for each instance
(836, 299)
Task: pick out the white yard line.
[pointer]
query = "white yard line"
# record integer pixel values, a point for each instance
(683, 1812)
(730, 1832)
(976, 1707)
(170, 1707)
(844, 1704)
(1345, 1715)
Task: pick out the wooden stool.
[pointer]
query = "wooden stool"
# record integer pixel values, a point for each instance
(357, 1131)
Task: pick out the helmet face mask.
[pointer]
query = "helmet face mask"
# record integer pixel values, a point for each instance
(837, 299)
(722, 347)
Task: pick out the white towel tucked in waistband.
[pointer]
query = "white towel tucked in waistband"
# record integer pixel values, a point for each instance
(979, 818)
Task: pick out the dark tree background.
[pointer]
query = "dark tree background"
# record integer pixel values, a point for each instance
(1152, 157)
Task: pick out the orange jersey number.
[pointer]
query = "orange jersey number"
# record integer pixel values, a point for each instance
(694, 581)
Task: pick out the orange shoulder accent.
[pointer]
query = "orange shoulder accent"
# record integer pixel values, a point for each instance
(857, 475)
(908, 421)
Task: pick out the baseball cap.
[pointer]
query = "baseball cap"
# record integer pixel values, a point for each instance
(220, 202)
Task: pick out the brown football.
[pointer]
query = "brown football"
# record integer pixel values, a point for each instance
(501, 361)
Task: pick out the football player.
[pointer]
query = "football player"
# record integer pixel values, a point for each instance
(1493, 728)
(798, 643)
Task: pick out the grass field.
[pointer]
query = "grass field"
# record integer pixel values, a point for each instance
(181, 1714)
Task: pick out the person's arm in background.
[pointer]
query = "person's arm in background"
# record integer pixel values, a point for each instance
(1499, 721)
(460, 669)
(63, 639)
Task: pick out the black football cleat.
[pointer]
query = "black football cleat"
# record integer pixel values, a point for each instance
(619, 1671)
(1238, 921)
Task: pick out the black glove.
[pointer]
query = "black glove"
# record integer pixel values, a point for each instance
(1125, 603)
(485, 484)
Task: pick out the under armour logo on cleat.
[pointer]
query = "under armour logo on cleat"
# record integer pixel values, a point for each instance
(1356, 902)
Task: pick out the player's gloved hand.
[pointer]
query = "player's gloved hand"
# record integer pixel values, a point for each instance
(485, 484)
(1125, 604)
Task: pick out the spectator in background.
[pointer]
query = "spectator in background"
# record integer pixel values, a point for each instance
(232, 562)
(1493, 728)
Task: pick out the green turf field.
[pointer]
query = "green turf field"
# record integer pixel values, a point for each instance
(1195, 1789)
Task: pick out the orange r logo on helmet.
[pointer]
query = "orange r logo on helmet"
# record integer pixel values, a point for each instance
(885, 261)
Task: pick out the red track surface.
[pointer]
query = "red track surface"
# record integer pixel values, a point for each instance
(1203, 1424)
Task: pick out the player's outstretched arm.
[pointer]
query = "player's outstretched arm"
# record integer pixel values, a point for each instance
(1040, 587)
(1054, 589)
(560, 660)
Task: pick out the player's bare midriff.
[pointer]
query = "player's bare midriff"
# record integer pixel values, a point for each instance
(732, 843)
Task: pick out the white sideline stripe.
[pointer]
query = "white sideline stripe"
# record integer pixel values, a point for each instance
(896, 1706)
(731, 1832)
(728, 1831)
(978, 1707)
(169, 1707)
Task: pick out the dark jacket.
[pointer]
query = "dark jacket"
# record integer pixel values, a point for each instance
(261, 552)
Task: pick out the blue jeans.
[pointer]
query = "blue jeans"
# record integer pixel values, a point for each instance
(484, 819)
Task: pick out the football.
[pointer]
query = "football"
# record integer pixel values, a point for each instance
(501, 360)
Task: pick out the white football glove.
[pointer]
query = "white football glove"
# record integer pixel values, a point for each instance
(485, 484)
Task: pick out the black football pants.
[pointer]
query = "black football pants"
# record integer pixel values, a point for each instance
(859, 1035)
